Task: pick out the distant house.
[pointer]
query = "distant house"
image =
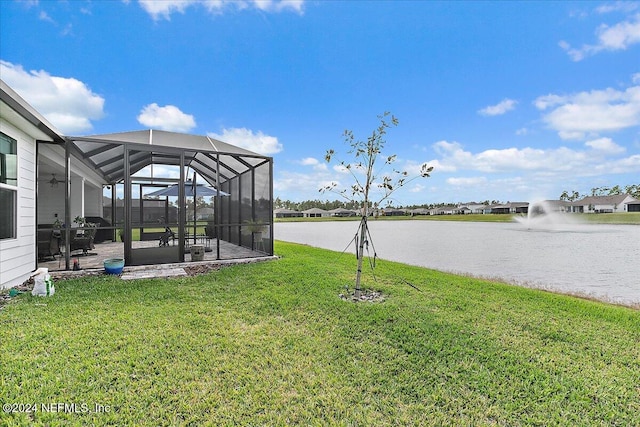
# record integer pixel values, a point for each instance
(463, 210)
(633, 206)
(393, 212)
(471, 208)
(501, 209)
(154, 211)
(315, 213)
(286, 213)
(602, 204)
(420, 211)
(341, 212)
(518, 207)
(203, 213)
(445, 210)
(487, 209)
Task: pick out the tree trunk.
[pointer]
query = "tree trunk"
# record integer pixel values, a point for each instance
(363, 236)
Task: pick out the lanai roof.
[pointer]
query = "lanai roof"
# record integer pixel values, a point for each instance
(105, 154)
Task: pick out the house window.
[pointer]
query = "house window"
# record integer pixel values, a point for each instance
(8, 186)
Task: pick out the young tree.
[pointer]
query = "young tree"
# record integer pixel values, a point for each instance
(366, 178)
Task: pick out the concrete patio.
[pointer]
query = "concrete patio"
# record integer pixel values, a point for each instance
(102, 251)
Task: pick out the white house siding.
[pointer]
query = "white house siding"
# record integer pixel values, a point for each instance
(50, 202)
(18, 256)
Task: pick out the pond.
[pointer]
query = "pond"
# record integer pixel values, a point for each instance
(600, 261)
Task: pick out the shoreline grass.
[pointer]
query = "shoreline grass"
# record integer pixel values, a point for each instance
(271, 343)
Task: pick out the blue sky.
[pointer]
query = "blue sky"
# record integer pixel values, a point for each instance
(512, 101)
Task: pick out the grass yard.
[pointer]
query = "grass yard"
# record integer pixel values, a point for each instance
(272, 344)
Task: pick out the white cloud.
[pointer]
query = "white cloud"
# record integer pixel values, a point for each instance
(43, 16)
(298, 183)
(315, 163)
(609, 38)
(500, 108)
(163, 9)
(439, 166)
(518, 172)
(309, 161)
(605, 146)
(467, 182)
(67, 103)
(636, 78)
(576, 116)
(554, 161)
(417, 188)
(340, 169)
(245, 138)
(168, 118)
(278, 6)
(618, 6)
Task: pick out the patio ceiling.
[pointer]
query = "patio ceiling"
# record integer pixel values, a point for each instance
(207, 156)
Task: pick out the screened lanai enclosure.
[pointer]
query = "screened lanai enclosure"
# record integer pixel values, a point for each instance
(163, 194)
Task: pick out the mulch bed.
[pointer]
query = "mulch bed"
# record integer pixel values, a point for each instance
(197, 270)
(365, 296)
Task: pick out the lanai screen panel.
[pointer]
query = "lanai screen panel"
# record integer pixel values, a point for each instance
(264, 203)
(246, 207)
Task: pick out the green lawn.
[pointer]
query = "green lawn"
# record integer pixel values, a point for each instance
(272, 344)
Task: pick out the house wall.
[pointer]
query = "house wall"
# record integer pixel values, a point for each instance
(86, 189)
(608, 207)
(50, 203)
(92, 200)
(18, 256)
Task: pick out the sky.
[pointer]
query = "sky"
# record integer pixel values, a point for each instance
(508, 101)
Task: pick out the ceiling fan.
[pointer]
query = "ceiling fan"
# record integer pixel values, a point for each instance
(53, 181)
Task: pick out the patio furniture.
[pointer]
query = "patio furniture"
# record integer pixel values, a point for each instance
(168, 234)
(48, 244)
(102, 234)
(81, 241)
(202, 239)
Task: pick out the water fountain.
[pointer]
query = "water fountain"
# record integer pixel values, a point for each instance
(543, 215)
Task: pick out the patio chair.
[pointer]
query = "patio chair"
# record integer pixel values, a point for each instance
(48, 244)
(83, 241)
(168, 234)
